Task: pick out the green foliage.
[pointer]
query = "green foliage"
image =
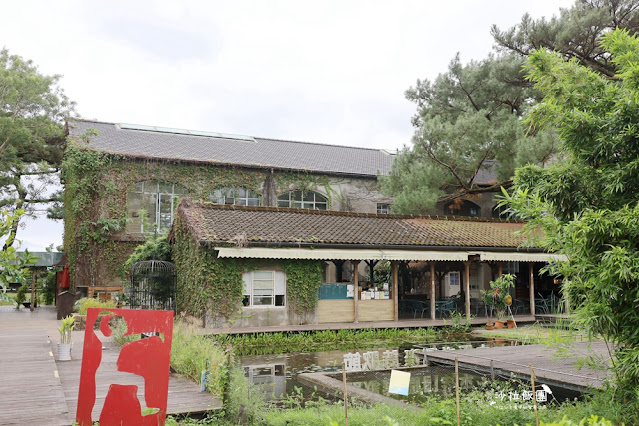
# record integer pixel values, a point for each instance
(12, 266)
(21, 295)
(575, 33)
(192, 353)
(303, 279)
(205, 282)
(216, 284)
(498, 293)
(48, 287)
(589, 206)
(156, 247)
(66, 328)
(97, 185)
(85, 303)
(468, 121)
(268, 343)
(32, 110)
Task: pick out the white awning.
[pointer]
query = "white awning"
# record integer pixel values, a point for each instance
(520, 256)
(339, 254)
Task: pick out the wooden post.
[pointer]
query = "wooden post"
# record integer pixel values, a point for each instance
(500, 269)
(33, 281)
(432, 290)
(457, 391)
(467, 286)
(345, 396)
(356, 292)
(395, 290)
(532, 288)
(532, 380)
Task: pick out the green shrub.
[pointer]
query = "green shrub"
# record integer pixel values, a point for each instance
(21, 295)
(192, 353)
(85, 303)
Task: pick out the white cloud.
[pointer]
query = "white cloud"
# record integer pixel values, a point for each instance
(330, 71)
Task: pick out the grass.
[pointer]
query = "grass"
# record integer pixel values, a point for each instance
(272, 343)
(11, 296)
(85, 303)
(533, 332)
(477, 409)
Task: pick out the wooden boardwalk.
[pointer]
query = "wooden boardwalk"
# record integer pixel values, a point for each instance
(402, 323)
(31, 393)
(516, 360)
(184, 396)
(39, 391)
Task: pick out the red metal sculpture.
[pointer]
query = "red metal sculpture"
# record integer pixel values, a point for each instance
(148, 358)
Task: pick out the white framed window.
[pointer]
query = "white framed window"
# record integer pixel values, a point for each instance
(235, 196)
(152, 205)
(510, 268)
(264, 288)
(303, 200)
(383, 208)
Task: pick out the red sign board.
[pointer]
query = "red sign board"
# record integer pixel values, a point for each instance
(148, 358)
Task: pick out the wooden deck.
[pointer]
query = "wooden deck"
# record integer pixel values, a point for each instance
(31, 392)
(402, 323)
(516, 360)
(39, 391)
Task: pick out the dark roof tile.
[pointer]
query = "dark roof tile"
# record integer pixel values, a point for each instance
(263, 152)
(216, 224)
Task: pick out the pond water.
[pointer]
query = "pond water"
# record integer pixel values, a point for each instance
(276, 375)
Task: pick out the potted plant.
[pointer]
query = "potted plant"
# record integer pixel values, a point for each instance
(64, 347)
(499, 293)
(487, 299)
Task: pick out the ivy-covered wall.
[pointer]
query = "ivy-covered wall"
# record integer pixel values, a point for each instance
(212, 287)
(95, 200)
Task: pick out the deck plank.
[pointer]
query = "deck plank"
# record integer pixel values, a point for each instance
(37, 390)
(547, 366)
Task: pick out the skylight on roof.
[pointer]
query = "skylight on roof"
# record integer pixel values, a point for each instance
(144, 128)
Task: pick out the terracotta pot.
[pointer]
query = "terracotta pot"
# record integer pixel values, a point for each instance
(511, 324)
(499, 324)
(489, 326)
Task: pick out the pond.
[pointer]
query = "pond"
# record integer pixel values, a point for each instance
(276, 375)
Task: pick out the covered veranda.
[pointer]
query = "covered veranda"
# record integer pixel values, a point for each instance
(350, 302)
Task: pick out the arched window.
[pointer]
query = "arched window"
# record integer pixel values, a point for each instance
(460, 207)
(235, 196)
(303, 200)
(151, 206)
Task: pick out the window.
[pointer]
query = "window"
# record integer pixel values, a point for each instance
(383, 208)
(235, 196)
(510, 268)
(151, 206)
(303, 200)
(264, 288)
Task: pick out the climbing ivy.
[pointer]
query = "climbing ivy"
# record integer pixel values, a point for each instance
(96, 215)
(209, 284)
(303, 279)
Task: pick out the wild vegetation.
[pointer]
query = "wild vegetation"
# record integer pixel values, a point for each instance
(595, 224)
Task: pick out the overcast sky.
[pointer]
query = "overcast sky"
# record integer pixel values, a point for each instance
(319, 71)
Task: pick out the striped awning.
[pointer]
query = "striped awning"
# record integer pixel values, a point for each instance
(339, 254)
(519, 256)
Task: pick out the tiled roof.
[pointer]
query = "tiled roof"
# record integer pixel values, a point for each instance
(216, 224)
(260, 152)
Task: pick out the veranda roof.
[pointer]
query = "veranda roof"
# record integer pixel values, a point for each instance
(282, 233)
(339, 254)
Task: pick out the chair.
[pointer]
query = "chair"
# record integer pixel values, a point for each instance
(476, 305)
(445, 307)
(521, 304)
(421, 307)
